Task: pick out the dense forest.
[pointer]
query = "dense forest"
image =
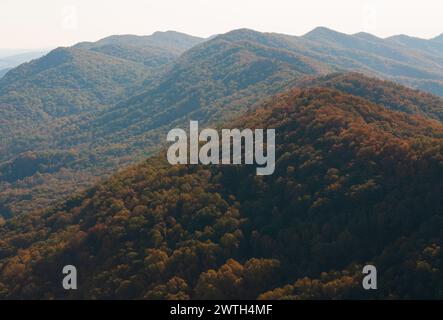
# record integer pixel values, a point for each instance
(355, 183)
(42, 101)
(99, 106)
(84, 179)
(387, 93)
(84, 78)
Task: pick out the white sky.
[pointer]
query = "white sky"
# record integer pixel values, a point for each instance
(51, 23)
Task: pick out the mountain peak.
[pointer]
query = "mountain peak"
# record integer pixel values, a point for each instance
(366, 36)
(164, 39)
(398, 37)
(242, 33)
(321, 31)
(172, 38)
(169, 33)
(245, 34)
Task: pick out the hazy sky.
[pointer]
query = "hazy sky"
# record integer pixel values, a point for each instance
(51, 23)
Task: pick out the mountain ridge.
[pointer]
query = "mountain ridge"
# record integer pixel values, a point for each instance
(157, 231)
(120, 121)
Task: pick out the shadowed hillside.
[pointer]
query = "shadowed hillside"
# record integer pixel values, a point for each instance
(84, 78)
(211, 82)
(391, 95)
(355, 183)
(385, 58)
(100, 106)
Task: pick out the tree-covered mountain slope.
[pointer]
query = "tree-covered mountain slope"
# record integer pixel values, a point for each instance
(66, 81)
(355, 183)
(390, 94)
(213, 81)
(386, 58)
(84, 160)
(84, 78)
(155, 50)
(174, 41)
(40, 99)
(108, 104)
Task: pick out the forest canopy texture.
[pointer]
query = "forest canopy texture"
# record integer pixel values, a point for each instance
(355, 183)
(358, 179)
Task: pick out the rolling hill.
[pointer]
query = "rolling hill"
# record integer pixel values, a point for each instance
(389, 58)
(84, 78)
(80, 113)
(355, 183)
(211, 82)
(155, 50)
(390, 94)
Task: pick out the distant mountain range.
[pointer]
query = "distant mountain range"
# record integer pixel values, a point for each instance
(12, 59)
(68, 80)
(79, 113)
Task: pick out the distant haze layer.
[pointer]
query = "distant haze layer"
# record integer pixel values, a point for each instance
(65, 22)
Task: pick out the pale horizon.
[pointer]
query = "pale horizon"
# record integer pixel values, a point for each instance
(52, 23)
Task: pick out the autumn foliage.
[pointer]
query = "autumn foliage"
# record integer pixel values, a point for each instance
(355, 183)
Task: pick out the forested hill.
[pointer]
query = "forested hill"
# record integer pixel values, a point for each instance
(355, 183)
(174, 41)
(211, 82)
(66, 81)
(84, 78)
(42, 100)
(387, 93)
(388, 58)
(80, 113)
